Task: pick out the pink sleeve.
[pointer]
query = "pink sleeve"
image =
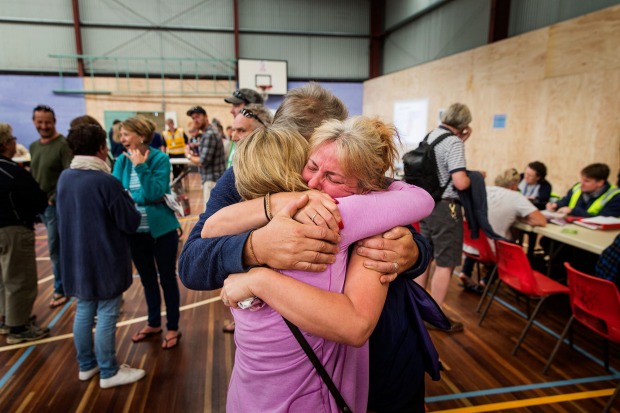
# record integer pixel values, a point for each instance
(377, 212)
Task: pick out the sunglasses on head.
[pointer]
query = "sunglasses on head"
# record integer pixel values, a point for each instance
(251, 115)
(237, 93)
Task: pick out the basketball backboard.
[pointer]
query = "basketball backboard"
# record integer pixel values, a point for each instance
(254, 73)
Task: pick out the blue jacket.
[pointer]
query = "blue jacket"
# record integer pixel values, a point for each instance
(95, 216)
(154, 176)
(400, 347)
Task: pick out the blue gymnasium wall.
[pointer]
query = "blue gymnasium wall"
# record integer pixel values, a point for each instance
(20, 94)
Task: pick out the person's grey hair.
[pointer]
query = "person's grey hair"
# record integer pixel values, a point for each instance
(306, 107)
(508, 179)
(6, 133)
(457, 116)
(262, 111)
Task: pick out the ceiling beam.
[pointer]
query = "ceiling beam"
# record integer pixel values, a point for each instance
(78, 36)
(499, 20)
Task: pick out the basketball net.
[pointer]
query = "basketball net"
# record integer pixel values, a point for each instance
(265, 92)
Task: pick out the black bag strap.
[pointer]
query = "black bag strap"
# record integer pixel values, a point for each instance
(342, 405)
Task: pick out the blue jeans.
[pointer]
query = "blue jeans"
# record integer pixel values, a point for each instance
(53, 244)
(147, 251)
(105, 335)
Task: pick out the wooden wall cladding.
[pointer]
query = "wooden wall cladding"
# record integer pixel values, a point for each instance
(559, 88)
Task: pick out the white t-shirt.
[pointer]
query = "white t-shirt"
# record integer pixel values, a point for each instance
(504, 207)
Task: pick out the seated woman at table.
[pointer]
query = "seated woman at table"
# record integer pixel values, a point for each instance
(534, 186)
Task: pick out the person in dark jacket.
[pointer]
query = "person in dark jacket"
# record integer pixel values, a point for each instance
(534, 186)
(95, 216)
(21, 200)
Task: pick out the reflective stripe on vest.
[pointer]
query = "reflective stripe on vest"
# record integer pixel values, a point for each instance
(176, 144)
(600, 202)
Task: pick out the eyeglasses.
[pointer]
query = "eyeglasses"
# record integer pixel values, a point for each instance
(251, 115)
(237, 93)
(12, 138)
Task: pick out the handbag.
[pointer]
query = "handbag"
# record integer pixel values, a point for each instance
(177, 204)
(342, 405)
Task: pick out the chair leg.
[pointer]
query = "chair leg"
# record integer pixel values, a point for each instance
(606, 353)
(486, 308)
(486, 288)
(529, 324)
(558, 344)
(611, 401)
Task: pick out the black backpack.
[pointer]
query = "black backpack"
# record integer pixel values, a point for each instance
(420, 167)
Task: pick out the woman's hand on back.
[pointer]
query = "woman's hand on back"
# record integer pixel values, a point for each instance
(389, 253)
(237, 288)
(322, 207)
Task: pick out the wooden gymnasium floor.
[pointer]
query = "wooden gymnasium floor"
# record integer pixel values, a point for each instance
(481, 375)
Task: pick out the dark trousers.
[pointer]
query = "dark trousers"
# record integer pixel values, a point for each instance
(149, 255)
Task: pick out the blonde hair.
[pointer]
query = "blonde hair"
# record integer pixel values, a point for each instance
(457, 115)
(366, 149)
(270, 160)
(141, 126)
(508, 179)
(6, 133)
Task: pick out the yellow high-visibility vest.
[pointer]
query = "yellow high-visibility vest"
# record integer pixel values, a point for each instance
(598, 205)
(175, 143)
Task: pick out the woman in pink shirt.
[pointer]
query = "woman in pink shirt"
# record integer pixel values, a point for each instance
(347, 161)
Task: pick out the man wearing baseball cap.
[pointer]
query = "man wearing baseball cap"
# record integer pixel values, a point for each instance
(211, 156)
(242, 97)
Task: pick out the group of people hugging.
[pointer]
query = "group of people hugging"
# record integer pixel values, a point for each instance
(280, 237)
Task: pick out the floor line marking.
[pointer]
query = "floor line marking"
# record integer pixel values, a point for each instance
(119, 324)
(557, 336)
(537, 401)
(15, 366)
(46, 279)
(520, 388)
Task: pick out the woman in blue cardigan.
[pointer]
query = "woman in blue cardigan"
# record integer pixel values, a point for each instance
(145, 173)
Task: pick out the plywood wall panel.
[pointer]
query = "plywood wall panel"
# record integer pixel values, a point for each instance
(585, 44)
(561, 109)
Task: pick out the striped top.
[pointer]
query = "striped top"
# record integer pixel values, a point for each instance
(450, 156)
(134, 185)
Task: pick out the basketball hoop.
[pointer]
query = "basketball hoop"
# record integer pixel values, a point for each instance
(265, 92)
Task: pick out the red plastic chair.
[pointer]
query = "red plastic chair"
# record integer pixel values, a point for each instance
(595, 303)
(485, 256)
(514, 269)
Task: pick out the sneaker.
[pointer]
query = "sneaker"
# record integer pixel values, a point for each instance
(124, 375)
(88, 374)
(32, 333)
(4, 329)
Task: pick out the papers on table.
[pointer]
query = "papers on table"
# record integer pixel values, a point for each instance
(600, 223)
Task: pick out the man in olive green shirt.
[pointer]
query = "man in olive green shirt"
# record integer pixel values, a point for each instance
(50, 155)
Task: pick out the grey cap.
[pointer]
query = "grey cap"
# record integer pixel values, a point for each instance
(246, 96)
